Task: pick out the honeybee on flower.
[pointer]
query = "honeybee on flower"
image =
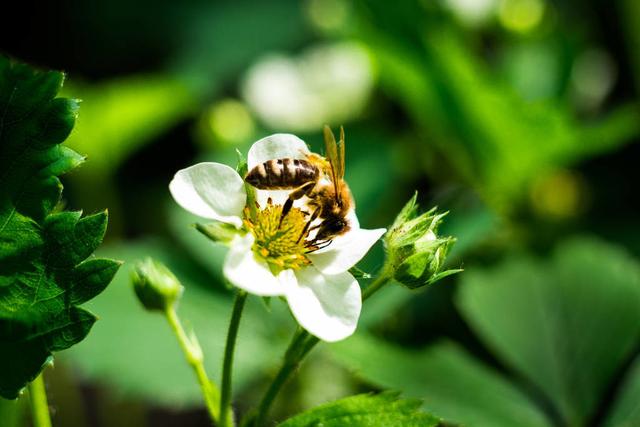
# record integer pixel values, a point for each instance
(320, 180)
(298, 238)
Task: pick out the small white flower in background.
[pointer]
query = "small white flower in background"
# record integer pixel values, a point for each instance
(325, 84)
(268, 260)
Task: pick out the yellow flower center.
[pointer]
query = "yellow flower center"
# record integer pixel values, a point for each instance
(281, 245)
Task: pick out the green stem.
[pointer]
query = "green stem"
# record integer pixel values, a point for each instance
(384, 278)
(39, 404)
(226, 416)
(292, 357)
(301, 344)
(194, 357)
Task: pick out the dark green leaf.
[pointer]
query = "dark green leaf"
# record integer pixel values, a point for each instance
(626, 409)
(564, 324)
(365, 410)
(452, 384)
(42, 273)
(495, 140)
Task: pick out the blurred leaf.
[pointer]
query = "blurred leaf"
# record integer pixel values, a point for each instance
(629, 11)
(379, 308)
(222, 39)
(626, 410)
(534, 68)
(134, 352)
(495, 140)
(564, 324)
(43, 272)
(365, 410)
(452, 384)
(120, 116)
(472, 225)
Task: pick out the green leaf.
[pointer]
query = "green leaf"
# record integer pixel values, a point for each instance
(122, 115)
(564, 324)
(626, 409)
(43, 275)
(495, 140)
(153, 358)
(365, 410)
(451, 383)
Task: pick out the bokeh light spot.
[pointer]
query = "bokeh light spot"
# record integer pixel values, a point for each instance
(328, 15)
(558, 195)
(592, 78)
(231, 121)
(521, 16)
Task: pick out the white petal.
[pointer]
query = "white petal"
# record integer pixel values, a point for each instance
(210, 190)
(278, 197)
(326, 306)
(244, 270)
(345, 251)
(353, 219)
(278, 146)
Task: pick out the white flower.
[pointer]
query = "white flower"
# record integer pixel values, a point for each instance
(327, 83)
(322, 295)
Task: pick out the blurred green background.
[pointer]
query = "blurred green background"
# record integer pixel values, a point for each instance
(520, 117)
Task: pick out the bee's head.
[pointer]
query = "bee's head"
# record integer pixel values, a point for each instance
(332, 226)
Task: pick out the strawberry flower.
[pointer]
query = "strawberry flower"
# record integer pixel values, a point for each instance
(267, 256)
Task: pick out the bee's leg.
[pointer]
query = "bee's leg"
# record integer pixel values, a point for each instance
(325, 244)
(296, 194)
(317, 245)
(306, 228)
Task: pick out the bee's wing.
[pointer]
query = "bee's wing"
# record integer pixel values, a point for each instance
(340, 161)
(331, 152)
(335, 154)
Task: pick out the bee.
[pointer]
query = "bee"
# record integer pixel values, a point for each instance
(318, 178)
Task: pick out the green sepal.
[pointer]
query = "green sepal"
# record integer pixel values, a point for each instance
(424, 268)
(416, 254)
(242, 166)
(218, 232)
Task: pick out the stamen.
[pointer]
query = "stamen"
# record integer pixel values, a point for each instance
(281, 242)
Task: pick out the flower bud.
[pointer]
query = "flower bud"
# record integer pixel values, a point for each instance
(155, 285)
(415, 251)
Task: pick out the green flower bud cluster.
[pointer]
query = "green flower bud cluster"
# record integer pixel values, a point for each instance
(155, 285)
(415, 252)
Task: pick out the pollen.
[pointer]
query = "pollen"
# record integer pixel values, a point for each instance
(280, 244)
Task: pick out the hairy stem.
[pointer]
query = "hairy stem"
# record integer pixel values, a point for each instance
(301, 344)
(193, 355)
(39, 404)
(226, 416)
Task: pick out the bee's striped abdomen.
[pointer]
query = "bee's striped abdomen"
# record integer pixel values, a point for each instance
(282, 174)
